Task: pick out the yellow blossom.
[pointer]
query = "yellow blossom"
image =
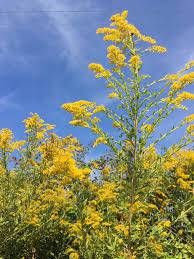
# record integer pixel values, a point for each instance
(106, 74)
(183, 81)
(190, 129)
(54, 217)
(158, 49)
(122, 31)
(148, 128)
(180, 173)
(138, 206)
(113, 95)
(34, 124)
(99, 108)
(74, 255)
(182, 97)
(7, 143)
(187, 185)
(106, 224)
(171, 77)
(34, 120)
(176, 86)
(148, 39)
(100, 140)
(107, 192)
(166, 223)
(96, 68)
(158, 248)
(34, 220)
(80, 108)
(6, 137)
(149, 156)
(135, 62)
(95, 120)
(116, 56)
(93, 217)
(116, 124)
(122, 229)
(99, 70)
(79, 123)
(133, 30)
(187, 78)
(152, 206)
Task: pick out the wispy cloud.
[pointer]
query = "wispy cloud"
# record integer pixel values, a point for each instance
(7, 102)
(67, 26)
(63, 29)
(62, 25)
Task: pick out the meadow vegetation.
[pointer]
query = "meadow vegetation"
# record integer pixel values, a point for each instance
(135, 201)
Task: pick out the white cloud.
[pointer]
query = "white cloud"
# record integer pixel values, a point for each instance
(67, 26)
(63, 30)
(62, 23)
(7, 102)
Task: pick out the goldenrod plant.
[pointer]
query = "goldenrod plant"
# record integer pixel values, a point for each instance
(148, 199)
(135, 201)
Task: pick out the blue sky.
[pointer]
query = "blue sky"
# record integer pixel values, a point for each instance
(44, 57)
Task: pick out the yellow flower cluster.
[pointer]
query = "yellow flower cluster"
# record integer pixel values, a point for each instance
(187, 185)
(183, 81)
(147, 39)
(122, 229)
(158, 49)
(96, 68)
(117, 124)
(148, 128)
(80, 123)
(34, 121)
(190, 129)
(100, 140)
(187, 78)
(138, 207)
(116, 56)
(171, 77)
(180, 173)
(58, 160)
(7, 143)
(83, 112)
(122, 31)
(99, 70)
(189, 118)
(113, 95)
(183, 97)
(80, 108)
(165, 223)
(93, 217)
(74, 255)
(181, 162)
(107, 192)
(35, 125)
(149, 156)
(135, 62)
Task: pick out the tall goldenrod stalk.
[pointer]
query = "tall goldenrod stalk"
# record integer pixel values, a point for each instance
(140, 110)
